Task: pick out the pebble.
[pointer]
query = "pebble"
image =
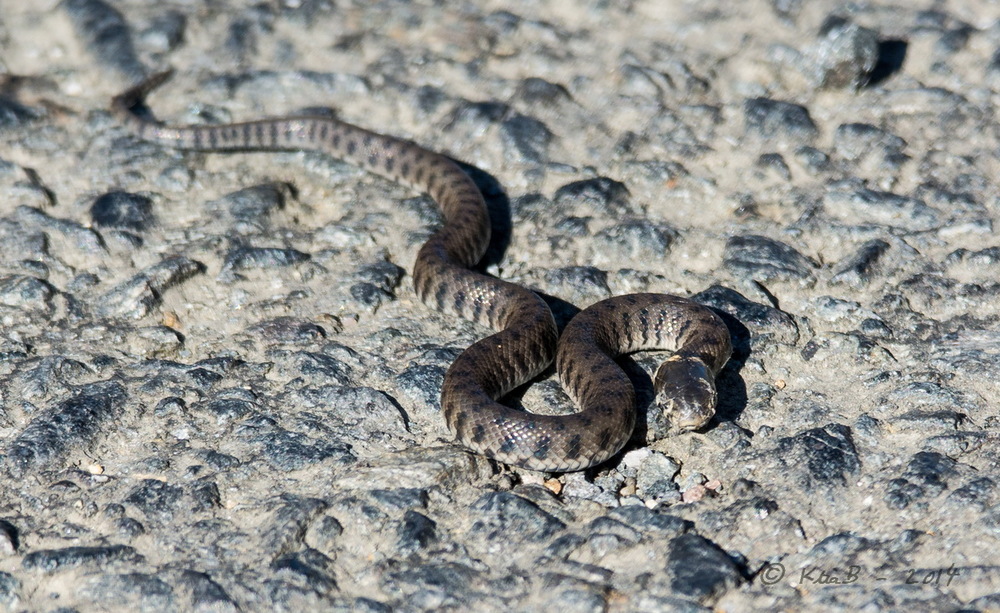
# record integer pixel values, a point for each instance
(28, 293)
(699, 569)
(874, 206)
(764, 259)
(775, 163)
(502, 513)
(416, 532)
(261, 258)
(585, 284)
(634, 240)
(9, 538)
(289, 330)
(654, 479)
(820, 457)
(54, 560)
(600, 195)
(257, 203)
(138, 296)
(538, 91)
(155, 499)
(123, 210)
(205, 592)
(775, 119)
(73, 233)
(529, 137)
(813, 159)
(846, 55)
(74, 422)
(107, 35)
(858, 268)
(853, 141)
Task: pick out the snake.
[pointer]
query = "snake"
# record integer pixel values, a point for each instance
(525, 339)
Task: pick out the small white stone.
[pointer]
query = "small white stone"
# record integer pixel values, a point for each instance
(634, 458)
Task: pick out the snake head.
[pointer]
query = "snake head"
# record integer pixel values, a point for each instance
(685, 392)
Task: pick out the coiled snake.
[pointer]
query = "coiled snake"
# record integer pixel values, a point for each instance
(526, 338)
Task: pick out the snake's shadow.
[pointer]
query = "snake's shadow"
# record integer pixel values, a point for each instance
(730, 385)
(498, 205)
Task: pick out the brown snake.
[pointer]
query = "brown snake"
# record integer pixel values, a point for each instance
(526, 338)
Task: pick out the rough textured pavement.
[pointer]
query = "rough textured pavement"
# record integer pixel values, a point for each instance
(219, 393)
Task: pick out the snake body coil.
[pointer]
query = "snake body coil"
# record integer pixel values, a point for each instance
(526, 338)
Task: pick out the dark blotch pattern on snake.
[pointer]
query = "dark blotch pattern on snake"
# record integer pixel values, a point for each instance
(526, 338)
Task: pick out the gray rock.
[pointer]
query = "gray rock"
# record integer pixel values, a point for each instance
(288, 330)
(73, 422)
(434, 585)
(309, 568)
(472, 117)
(813, 159)
(129, 528)
(28, 293)
(820, 457)
(699, 569)
(261, 258)
(763, 322)
(860, 267)
(137, 296)
(107, 36)
(422, 382)
(10, 590)
(258, 202)
(75, 234)
(655, 479)
(579, 281)
(502, 514)
(846, 54)
(124, 210)
(56, 560)
(289, 521)
(775, 119)
(652, 522)
(527, 136)
(764, 259)
(537, 91)
(204, 593)
(288, 450)
(974, 495)
(134, 591)
(986, 258)
(156, 499)
(925, 477)
(402, 499)
(635, 240)
(776, 164)
(600, 195)
(881, 207)
(416, 532)
(853, 141)
(10, 541)
(377, 285)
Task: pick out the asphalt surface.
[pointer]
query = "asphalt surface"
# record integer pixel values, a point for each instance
(218, 391)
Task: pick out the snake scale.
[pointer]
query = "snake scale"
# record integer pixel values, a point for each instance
(526, 339)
